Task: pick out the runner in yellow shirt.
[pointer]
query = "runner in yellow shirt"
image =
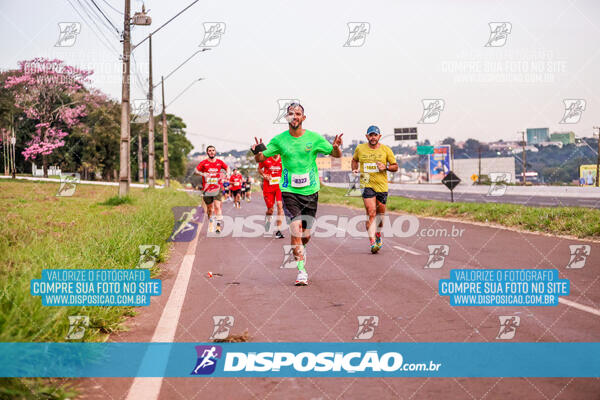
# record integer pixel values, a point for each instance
(373, 160)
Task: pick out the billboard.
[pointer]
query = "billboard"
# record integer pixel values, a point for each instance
(587, 175)
(405, 133)
(439, 163)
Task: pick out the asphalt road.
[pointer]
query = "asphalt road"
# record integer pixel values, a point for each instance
(346, 281)
(539, 201)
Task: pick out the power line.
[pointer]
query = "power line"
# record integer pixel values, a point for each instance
(114, 9)
(139, 79)
(108, 46)
(105, 17)
(96, 16)
(183, 91)
(160, 27)
(216, 139)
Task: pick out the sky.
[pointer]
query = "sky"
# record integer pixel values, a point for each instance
(490, 87)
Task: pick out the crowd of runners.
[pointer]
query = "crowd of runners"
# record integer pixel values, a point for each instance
(290, 182)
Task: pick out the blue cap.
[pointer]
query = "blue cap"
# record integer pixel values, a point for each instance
(373, 129)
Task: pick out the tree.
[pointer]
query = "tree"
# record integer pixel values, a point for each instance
(53, 95)
(179, 147)
(449, 140)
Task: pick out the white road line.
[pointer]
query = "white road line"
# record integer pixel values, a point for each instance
(149, 388)
(415, 253)
(579, 306)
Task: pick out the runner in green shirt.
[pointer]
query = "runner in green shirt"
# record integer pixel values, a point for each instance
(299, 182)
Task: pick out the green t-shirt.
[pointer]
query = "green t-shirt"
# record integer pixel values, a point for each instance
(298, 158)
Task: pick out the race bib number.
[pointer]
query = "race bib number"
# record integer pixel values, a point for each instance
(213, 181)
(274, 180)
(370, 167)
(301, 180)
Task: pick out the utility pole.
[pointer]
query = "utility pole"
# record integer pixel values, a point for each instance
(5, 151)
(479, 173)
(140, 158)
(164, 131)
(125, 166)
(524, 159)
(598, 158)
(150, 118)
(13, 141)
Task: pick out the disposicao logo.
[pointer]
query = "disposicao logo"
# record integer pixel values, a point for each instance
(307, 361)
(207, 359)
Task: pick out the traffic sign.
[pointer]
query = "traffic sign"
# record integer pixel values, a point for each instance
(422, 150)
(405, 133)
(451, 180)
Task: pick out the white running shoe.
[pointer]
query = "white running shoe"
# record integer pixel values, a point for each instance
(302, 278)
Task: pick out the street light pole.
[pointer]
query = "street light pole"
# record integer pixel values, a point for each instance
(165, 136)
(524, 143)
(598, 158)
(124, 165)
(150, 121)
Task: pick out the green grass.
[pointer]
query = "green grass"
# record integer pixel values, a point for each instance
(572, 221)
(117, 201)
(91, 229)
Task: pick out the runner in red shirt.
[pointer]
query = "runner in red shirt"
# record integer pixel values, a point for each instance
(270, 170)
(212, 180)
(235, 185)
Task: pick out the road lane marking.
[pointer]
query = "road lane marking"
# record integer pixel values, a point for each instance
(579, 306)
(415, 253)
(149, 388)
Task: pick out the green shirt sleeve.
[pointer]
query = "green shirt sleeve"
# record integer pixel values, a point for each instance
(272, 148)
(323, 146)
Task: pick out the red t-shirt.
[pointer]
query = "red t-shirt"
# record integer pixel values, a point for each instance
(235, 181)
(272, 168)
(215, 178)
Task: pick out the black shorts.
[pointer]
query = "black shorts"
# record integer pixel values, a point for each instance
(298, 206)
(380, 196)
(212, 196)
(235, 192)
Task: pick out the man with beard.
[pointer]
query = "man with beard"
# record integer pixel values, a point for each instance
(299, 184)
(374, 159)
(212, 178)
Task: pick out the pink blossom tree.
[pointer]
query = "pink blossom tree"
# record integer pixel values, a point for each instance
(53, 95)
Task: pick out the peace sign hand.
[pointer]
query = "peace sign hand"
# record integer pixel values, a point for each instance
(337, 142)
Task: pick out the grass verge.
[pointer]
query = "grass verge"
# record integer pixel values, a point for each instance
(39, 230)
(579, 222)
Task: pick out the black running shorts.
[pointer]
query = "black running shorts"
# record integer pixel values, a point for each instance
(380, 196)
(298, 206)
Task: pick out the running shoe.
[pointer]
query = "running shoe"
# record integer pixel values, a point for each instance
(267, 225)
(378, 240)
(302, 278)
(375, 247)
(279, 235)
(218, 230)
(211, 227)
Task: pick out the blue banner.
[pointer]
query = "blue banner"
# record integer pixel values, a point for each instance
(300, 359)
(95, 287)
(504, 287)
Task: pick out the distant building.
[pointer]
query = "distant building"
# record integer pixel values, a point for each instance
(343, 163)
(563, 137)
(538, 135)
(552, 143)
(499, 146)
